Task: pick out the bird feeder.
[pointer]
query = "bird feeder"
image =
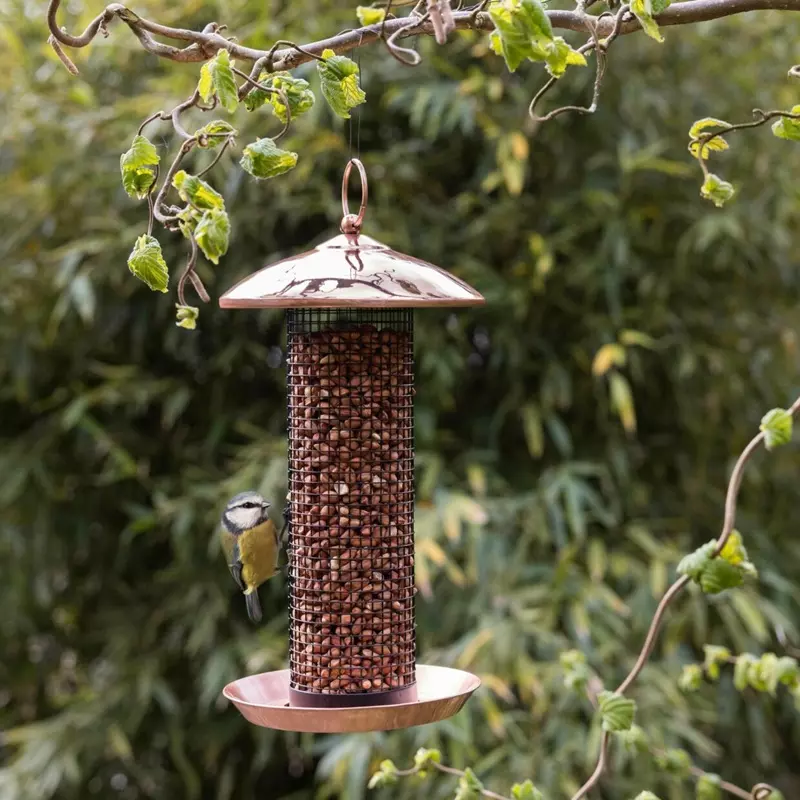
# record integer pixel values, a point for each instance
(350, 380)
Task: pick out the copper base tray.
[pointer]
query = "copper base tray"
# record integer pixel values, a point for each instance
(264, 700)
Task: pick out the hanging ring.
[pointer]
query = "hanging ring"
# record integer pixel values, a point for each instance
(351, 223)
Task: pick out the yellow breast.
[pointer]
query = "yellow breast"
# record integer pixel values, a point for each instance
(258, 549)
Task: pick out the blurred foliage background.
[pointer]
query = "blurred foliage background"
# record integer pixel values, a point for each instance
(122, 436)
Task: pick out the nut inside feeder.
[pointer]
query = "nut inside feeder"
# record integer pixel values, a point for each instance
(350, 375)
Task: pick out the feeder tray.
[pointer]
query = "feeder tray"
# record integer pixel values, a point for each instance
(350, 384)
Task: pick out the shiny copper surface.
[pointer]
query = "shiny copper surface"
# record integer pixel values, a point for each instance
(351, 270)
(264, 700)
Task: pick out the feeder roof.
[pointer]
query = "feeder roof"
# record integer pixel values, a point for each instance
(350, 271)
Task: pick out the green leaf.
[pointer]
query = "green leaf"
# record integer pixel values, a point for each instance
(691, 678)
(214, 133)
(224, 83)
(147, 263)
(717, 190)
(717, 144)
(370, 16)
(469, 787)
(385, 776)
(741, 672)
(263, 159)
(709, 787)
(616, 711)
(187, 316)
(339, 82)
(526, 791)
(719, 576)
(677, 762)
(205, 86)
(609, 355)
(298, 93)
(702, 125)
(425, 757)
(714, 658)
(694, 564)
(622, 401)
(523, 32)
(734, 552)
(576, 671)
(197, 192)
(786, 128)
(559, 55)
(777, 428)
(212, 234)
(635, 740)
(135, 163)
(645, 10)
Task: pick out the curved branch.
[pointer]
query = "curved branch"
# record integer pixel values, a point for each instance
(204, 44)
(728, 524)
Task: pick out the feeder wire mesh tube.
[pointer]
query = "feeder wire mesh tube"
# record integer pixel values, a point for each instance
(351, 497)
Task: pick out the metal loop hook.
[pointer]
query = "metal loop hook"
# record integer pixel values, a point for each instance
(351, 223)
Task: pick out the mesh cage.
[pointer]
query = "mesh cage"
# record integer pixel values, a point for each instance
(351, 502)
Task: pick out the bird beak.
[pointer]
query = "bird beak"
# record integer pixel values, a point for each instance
(265, 505)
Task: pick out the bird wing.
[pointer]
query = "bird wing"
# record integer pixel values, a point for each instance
(234, 557)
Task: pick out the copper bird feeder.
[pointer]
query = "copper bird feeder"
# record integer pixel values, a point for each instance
(350, 376)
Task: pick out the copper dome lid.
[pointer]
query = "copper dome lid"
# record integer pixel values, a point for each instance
(351, 270)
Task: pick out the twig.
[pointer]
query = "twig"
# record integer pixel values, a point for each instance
(699, 145)
(223, 147)
(728, 524)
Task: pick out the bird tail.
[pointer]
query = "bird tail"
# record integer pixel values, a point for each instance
(253, 605)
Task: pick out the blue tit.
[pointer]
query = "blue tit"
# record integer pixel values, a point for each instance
(251, 544)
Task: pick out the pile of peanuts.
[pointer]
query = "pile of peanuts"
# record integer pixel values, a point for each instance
(351, 499)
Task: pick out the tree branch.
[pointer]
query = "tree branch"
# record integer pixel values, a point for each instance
(672, 593)
(204, 44)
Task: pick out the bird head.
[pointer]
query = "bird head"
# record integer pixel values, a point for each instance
(245, 511)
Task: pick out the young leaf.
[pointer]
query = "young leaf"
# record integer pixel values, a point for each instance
(212, 234)
(135, 163)
(701, 125)
(205, 86)
(777, 428)
(694, 564)
(719, 575)
(298, 93)
(370, 16)
(717, 190)
(339, 82)
(469, 787)
(714, 658)
(709, 787)
(147, 263)
(645, 10)
(214, 133)
(717, 144)
(425, 757)
(559, 55)
(522, 30)
(616, 711)
(197, 192)
(691, 678)
(224, 82)
(787, 128)
(187, 316)
(526, 791)
(385, 776)
(263, 159)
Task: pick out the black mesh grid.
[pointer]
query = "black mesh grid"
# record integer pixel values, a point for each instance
(351, 481)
